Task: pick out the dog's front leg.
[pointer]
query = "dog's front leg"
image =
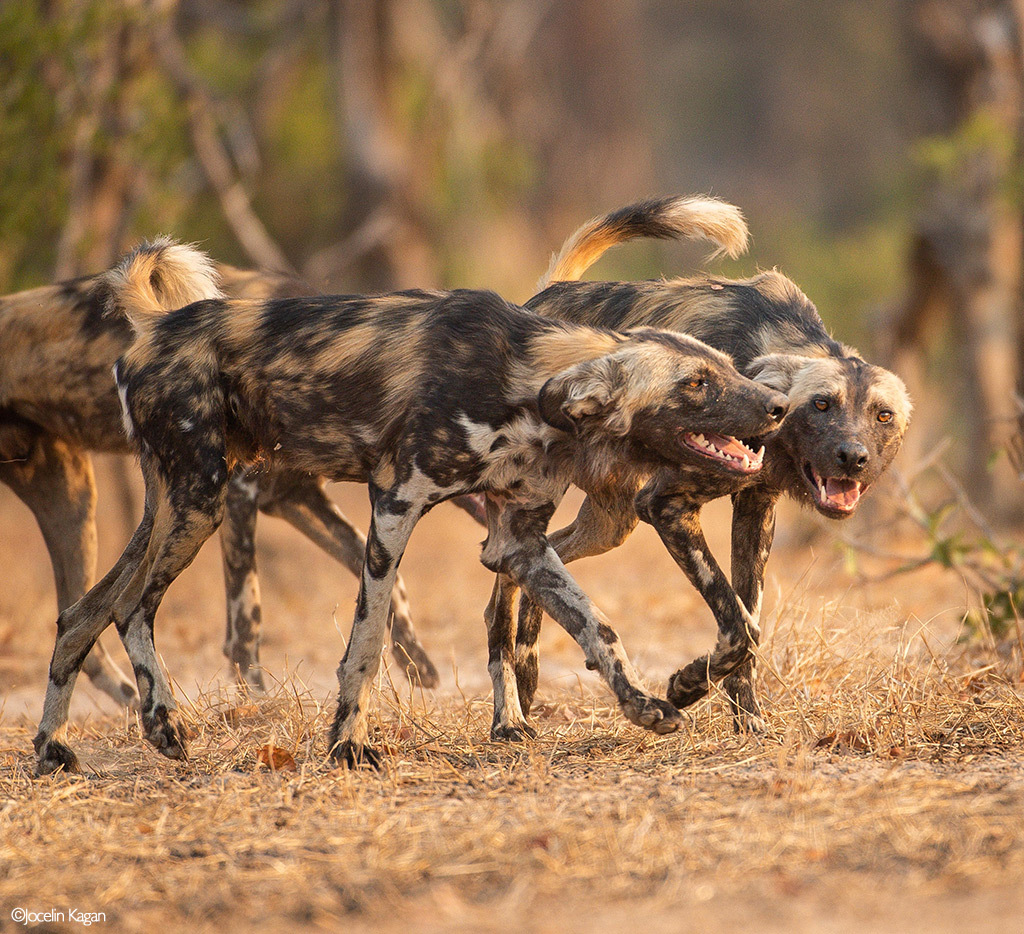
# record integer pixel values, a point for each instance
(509, 722)
(301, 500)
(241, 582)
(676, 517)
(516, 546)
(391, 524)
(604, 522)
(753, 528)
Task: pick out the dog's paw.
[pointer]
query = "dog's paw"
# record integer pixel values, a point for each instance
(52, 756)
(167, 734)
(512, 732)
(653, 714)
(356, 755)
(684, 689)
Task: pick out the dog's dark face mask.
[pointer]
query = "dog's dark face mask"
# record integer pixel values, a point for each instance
(675, 398)
(845, 425)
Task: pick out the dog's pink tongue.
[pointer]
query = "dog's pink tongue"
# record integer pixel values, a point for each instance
(842, 491)
(727, 445)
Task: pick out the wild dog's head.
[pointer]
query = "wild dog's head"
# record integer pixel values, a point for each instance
(672, 394)
(845, 425)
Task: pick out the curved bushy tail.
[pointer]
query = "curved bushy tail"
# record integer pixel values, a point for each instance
(156, 277)
(696, 217)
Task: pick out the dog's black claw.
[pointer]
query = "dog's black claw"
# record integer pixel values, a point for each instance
(355, 755)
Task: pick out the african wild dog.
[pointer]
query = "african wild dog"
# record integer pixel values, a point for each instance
(845, 424)
(58, 402)
(347, 387)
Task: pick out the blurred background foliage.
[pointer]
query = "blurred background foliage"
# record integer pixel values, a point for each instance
(378, 144)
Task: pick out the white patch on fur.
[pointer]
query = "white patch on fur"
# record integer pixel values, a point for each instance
(126, 419)
(242, 480)
(243, 604)
(704, 571)
(480, 437)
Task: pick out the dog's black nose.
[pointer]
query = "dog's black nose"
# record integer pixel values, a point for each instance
(852, 455)
(777, 407)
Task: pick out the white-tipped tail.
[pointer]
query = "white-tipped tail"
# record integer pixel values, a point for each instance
(159, 276)
(695, 217)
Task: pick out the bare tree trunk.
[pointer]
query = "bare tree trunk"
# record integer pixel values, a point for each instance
(381, 159)
(967, 250)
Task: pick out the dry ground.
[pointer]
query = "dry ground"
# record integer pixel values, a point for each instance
(888, 794)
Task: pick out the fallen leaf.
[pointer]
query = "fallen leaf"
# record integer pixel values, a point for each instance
(851, 739)
(276, 759)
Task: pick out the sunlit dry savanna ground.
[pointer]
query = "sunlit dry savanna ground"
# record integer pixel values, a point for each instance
(887, 795)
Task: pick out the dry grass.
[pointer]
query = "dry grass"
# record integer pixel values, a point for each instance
(888, 793)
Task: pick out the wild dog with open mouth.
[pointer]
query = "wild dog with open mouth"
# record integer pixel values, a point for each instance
(845, 424)
(58, 402)
(348, 387)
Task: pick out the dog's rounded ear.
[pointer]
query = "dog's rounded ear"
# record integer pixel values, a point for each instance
(591, 388)
(777, 370)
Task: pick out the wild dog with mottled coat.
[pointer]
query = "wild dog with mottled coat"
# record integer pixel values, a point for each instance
(348, 387)
(58, 402)
(845, 425)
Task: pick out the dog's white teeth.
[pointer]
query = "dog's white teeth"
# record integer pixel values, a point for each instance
(746, 462)
(700, 440)
(760, 454)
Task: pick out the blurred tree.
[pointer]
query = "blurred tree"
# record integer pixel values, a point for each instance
(965, 259)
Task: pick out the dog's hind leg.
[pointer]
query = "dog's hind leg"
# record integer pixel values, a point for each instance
(186, 515)
(753, 528)
(78, 628)
(603, 523)
(241, 581)
(516, 546)
(394, 516)
(676, 517)
(55, 480)
(301, 500)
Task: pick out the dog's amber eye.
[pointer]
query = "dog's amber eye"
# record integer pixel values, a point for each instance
(885, 416)
(821, 404)
(696, 383)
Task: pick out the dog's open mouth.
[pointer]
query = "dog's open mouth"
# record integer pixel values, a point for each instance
(835, 494)
(726, 450)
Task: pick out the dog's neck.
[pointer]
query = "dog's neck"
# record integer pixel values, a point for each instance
(556, 349)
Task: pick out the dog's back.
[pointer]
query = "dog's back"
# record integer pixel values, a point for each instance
(324, 384)
(56, 347)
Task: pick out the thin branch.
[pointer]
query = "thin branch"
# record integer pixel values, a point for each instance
(211, 152)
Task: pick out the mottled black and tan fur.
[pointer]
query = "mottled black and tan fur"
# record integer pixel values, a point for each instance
(58, 402)
(348, 387)
(845, 425)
